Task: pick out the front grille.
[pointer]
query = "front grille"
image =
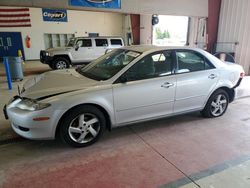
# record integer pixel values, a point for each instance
(23, 129)
(42, 55)
(5, 112)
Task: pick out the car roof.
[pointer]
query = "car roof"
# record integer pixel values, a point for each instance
(100, 37)
(152, 48)
(147, 49)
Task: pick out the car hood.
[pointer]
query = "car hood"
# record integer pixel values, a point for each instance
(55, 83)
(57, 49)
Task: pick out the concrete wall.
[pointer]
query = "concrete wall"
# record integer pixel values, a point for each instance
(79, 22)
(170, 7)
(146, 29)
(234, 26)
(167, 7)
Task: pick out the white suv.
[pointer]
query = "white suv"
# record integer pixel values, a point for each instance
(125, 86)
(79, 50)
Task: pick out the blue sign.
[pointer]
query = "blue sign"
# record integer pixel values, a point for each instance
(54, 15)
(115, 4)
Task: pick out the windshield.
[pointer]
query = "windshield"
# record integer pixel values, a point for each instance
(109, 64)
(71, 42)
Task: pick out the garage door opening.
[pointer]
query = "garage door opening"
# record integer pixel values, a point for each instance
(171, 31)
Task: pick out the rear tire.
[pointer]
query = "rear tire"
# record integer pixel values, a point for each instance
(60, 63)
(82, 126)
(216, 105)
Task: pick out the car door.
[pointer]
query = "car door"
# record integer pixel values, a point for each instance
(196, 78)
(148, 91)
(83, 51)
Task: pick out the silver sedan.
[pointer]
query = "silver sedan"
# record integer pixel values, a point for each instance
(125, 86)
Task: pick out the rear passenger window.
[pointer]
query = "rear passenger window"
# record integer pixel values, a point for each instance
(84, 43)
(101, 42)
(189, 61)
(117, 42)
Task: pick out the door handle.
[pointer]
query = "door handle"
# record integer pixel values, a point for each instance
(167, 85)
(212, 76)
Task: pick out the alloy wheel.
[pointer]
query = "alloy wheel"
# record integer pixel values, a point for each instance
(219, 105)
(61, 65)
(84, 128)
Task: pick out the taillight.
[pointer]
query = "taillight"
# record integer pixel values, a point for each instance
(242, 74)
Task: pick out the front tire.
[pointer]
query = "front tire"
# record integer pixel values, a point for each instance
(60, 63)
(51, 65)
(82, 126)
(216, 105)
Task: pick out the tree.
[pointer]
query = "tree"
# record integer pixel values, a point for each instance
(167, 34)
(162, 35)
(158, 33)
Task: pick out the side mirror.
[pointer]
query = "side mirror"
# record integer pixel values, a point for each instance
(77, 46)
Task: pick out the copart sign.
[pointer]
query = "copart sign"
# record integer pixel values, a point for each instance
(54, 15)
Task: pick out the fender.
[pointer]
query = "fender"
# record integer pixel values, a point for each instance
(76, 98)
(220, 84)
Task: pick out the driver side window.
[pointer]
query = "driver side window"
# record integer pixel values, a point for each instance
(151, 66)
(84, 43)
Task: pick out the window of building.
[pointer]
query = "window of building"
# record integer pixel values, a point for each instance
(171, 31)
(52, 40)
(9, 41)
(1, 41)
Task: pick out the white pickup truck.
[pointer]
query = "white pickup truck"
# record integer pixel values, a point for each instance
(79, 50)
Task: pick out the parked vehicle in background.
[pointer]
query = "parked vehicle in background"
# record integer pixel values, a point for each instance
(127, 85)
(79, 50)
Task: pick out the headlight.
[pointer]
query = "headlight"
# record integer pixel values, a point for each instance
(48, 54)
(15, 98)
(31, 105)
(11, 100)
